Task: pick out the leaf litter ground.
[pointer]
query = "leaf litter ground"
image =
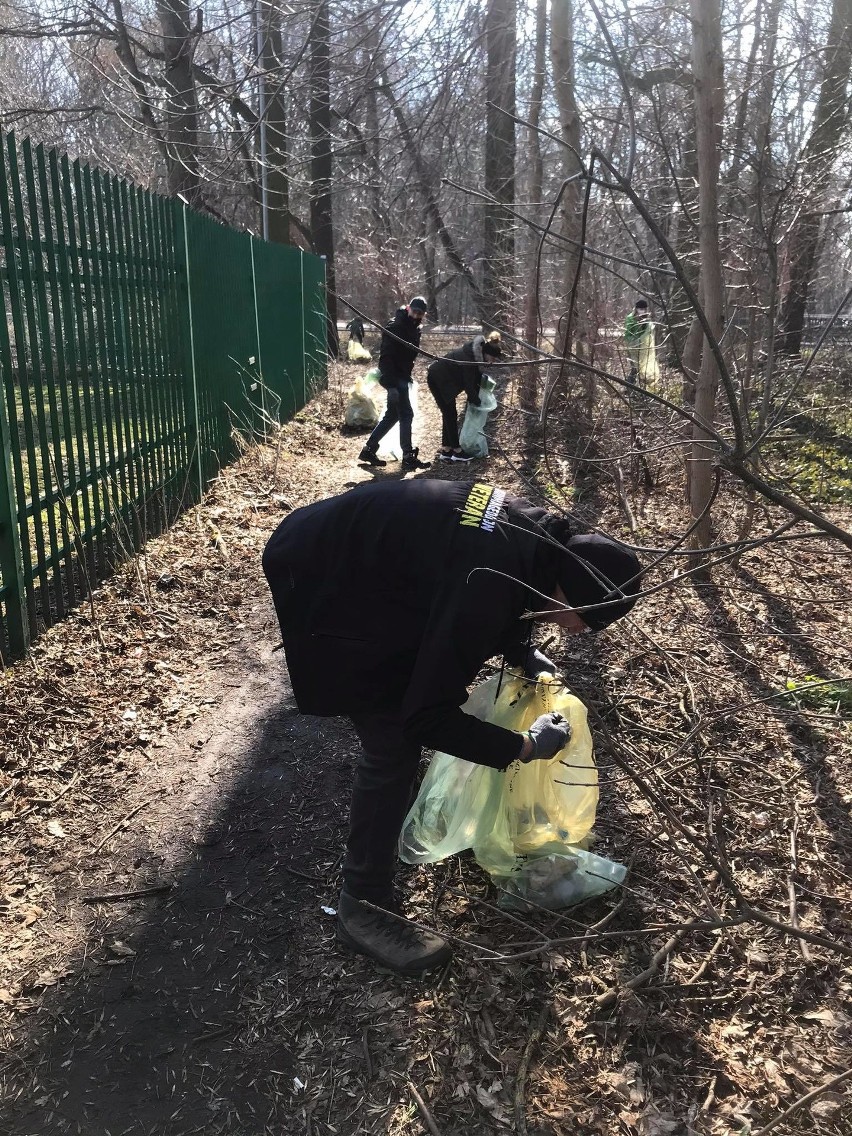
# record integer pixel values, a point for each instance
(171, 833)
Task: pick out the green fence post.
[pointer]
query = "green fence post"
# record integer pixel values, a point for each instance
(185, 210)
(260, 374)
(11, 563)
(302, 307)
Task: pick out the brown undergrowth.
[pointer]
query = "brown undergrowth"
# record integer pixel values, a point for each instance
(170, 835)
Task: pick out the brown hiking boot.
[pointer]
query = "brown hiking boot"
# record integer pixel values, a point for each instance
(391, 941)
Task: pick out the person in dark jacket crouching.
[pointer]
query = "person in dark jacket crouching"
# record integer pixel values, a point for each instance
(397, 354)
(456, 564)
(457, 371)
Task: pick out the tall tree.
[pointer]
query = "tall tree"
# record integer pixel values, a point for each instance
(829, 126)
(708, 73)
(277, 150)
(536, 188)
(180, 131)
(499, 236)
(322, 223)
(564, 81)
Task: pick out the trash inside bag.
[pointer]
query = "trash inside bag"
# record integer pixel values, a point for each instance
(561, 879)
(472, 434)
(523, 823)
(356, 352)
(361, 410)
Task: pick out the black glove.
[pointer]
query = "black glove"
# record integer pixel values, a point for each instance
(536, 662)
(548, 734)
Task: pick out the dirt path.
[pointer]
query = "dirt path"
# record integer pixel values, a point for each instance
(170, 839)
(216, 1002)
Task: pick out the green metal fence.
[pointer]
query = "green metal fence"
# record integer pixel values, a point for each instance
(133, 331)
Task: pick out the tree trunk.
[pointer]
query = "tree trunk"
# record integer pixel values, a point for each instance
(499, 236)
(322, 226)
(181, 127)
(562, 59)
(830, 121)
(382, 236)
(709, 81)
(277, 151)
(536, 168)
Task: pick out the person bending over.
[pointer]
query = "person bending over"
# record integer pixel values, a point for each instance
(457, 371)
(453, 566)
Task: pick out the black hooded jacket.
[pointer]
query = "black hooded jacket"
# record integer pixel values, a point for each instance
(450, 376)
(396, 360)
(385, 604)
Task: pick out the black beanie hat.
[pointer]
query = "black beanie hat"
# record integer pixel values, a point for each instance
(596, 570)
(418, 304)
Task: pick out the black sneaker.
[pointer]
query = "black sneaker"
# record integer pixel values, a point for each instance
(391, 941)
(370, 457)
(411, 461)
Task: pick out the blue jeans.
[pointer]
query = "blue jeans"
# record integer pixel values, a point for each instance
(398, 410)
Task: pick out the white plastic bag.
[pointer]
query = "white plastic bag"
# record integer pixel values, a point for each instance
(472, 434)
(559, 880)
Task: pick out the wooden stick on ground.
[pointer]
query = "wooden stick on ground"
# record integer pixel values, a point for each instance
(125, 819)
(806, 1099)
(520, 1083)
(117, 896)
(427, 1115)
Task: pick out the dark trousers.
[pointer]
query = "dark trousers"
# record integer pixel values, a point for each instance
(381, 796)
(398, 410)
(449, 414)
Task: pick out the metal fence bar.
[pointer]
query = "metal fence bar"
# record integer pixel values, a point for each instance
(132, 332)
(52, 471)
(20, 409)
(63, 436)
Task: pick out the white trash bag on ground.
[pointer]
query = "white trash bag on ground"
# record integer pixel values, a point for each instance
(472, 435)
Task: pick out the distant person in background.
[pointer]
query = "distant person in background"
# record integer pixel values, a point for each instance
(639, 342)
(356, 352)
(397, 353)
(355, 328)
(449, 376)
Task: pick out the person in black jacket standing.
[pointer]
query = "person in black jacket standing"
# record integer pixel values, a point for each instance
(457, 371)
(355, 327)
(456, 564)
(397, 353)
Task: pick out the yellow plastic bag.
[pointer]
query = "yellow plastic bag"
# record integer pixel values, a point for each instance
(526, 810)
(649, 368)
(525, 824)
(361, 411)
(356, 352)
